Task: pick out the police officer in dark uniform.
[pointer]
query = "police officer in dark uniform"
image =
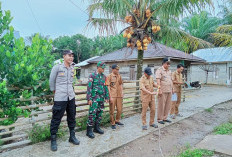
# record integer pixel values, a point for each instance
(61, 83)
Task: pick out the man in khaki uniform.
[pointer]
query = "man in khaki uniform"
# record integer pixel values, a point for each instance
(147, 85)
(177, 82)
(114, 83)
(164, 81)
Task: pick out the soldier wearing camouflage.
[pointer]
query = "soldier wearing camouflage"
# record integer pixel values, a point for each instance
(97, 93)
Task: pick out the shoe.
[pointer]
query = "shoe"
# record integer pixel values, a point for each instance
(179, 115)
(154, 125)
(144, 127)
(72, 138)
(97, 129)
(53, 143)
(167, 121)
(173, 116)
(113, 127)
(161, 122)
(119, 123)
(90, 132)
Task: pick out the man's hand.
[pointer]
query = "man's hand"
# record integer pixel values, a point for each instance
(90, 102)
(107, 101)
(154, 93)
(111, 100)
(160, 92)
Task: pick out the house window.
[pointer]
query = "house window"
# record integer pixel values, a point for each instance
(150, 65)
(132, 72)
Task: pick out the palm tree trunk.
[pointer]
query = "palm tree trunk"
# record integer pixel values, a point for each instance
(139, 64)
(139, 75)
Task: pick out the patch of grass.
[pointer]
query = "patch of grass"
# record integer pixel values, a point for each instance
(223, 129)
(196, 153)
(81, 123)
(40, 133)
(210, 110)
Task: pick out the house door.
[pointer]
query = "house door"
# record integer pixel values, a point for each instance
(132, 72)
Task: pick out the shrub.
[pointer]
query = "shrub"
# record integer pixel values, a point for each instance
(196, 153)
(223, 129)
(40, 133)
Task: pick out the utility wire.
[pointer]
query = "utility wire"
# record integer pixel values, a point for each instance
(36, 21)
(78, 7)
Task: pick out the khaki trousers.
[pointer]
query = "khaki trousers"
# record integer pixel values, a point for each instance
(176, 104)
(151, 105)
(164, 105)
(117, 102)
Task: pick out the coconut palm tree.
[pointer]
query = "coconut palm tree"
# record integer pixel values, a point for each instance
(201, 25)
(223, 34)
(145, 21)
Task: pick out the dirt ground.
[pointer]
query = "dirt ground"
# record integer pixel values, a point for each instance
(176, 137)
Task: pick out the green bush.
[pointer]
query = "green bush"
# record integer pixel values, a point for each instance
(81, 123)
(24, 70)
(223, 129)
(40, 133)
(196, 153)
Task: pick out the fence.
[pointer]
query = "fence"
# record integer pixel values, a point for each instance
(15, 135)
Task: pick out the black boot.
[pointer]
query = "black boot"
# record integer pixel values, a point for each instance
(97, 129)
(90, 132)
(73, 138)
(53, 143)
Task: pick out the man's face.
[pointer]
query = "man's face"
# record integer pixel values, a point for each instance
(100, 70)
(147, 76)
(166, 65)
(180, 69)
(68, 58)
(115, 71)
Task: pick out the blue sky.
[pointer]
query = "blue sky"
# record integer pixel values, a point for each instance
(54, 17)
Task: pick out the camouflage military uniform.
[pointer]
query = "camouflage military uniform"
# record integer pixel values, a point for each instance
(97, 91)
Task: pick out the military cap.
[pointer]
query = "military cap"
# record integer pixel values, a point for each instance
(101, 64)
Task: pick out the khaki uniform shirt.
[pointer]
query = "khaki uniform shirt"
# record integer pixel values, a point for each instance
(149, 85)
(165, 77)
(177, 77)
(114, 82)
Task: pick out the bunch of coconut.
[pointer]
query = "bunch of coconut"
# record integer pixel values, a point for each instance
(136, 12)
(155, 29)
(142, 45)
(128, 32)
(148, 13)
(129, 19)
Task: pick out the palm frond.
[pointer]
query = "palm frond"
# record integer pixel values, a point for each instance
(175, 8)
(222, 39)
(225, 29)
(104, 25)
(95, 7)
(173, 34)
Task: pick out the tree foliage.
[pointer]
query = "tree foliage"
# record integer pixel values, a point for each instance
(24, 70)
(79, 44)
